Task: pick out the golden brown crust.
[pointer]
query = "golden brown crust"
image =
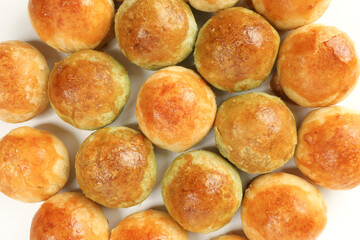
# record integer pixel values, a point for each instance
(283, 207)
(88, 89)
(329, 148)
(290, 14)
(70, 26)
(23, 81)
(34, 164)
(256, 132)
(175, 108)
(228, 237)
(69, 216)
(317, 66)
(201, 191)
(212, 5)
(236, 50)
(155, 33)
(116, 167)
(148, 225)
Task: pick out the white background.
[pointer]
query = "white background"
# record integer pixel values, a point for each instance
(15, 217)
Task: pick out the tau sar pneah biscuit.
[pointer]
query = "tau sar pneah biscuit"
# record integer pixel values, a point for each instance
(317, 66)
(201, 191)
(328, 152)
(24, 76)
(175, 108)
(34, 164)
(116, 167)
(71, 26)
(149, 225)
(155, 33)
(88, 89)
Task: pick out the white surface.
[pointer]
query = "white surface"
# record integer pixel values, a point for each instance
(15, 217)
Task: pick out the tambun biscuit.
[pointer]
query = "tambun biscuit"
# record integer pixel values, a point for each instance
(175, 108)
(69, 216)
(317, 66)
(201, 191)
(149, 225)
(24, 75)
(88, 89)
(280, 206)
(71, 26)
(155, 33)
(236, 50)
(256, 132)
(212, 5)
(328, 152)
(34, 164)
(116, 167)
(290, 14)
(228, 237)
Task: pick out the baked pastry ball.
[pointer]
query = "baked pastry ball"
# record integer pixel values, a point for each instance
(328, 152)
(256, 132)
(175, 108)
(317, 66)
(116, 167)
(281, 206)
(149, 225)
(236, 50)
(155, 33)
(69, 216)
(88, 89)
(24, 75)
(34, 164)
(290, 14)
(201, 191)
(70, 26)
(212, 5)
(228, 237)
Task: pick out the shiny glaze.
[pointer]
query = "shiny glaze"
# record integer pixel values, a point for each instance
(69, 216)
(83, 87)
(27, 160)
(112, 166)
(23, 81)
(212, 5)
(151, 32)
(256, 132)
(234, 47)
(319, 64)
(175, 108)
(74, 25)
(278, 207)
(203, 195)
(329, 148)
(148, 225)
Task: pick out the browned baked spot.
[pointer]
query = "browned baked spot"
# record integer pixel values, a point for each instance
(332, 151)
(147, 225)
(259, 132)
(84, 89)
(283, 213)
(279, 10)
(317, 67)
(110, 169)
(19, 82)
(174, 105)
(200, 197)
(65, 24)
(27, 161)
(229, 237)
(69, 218)
(153, 31)
(236, 46)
